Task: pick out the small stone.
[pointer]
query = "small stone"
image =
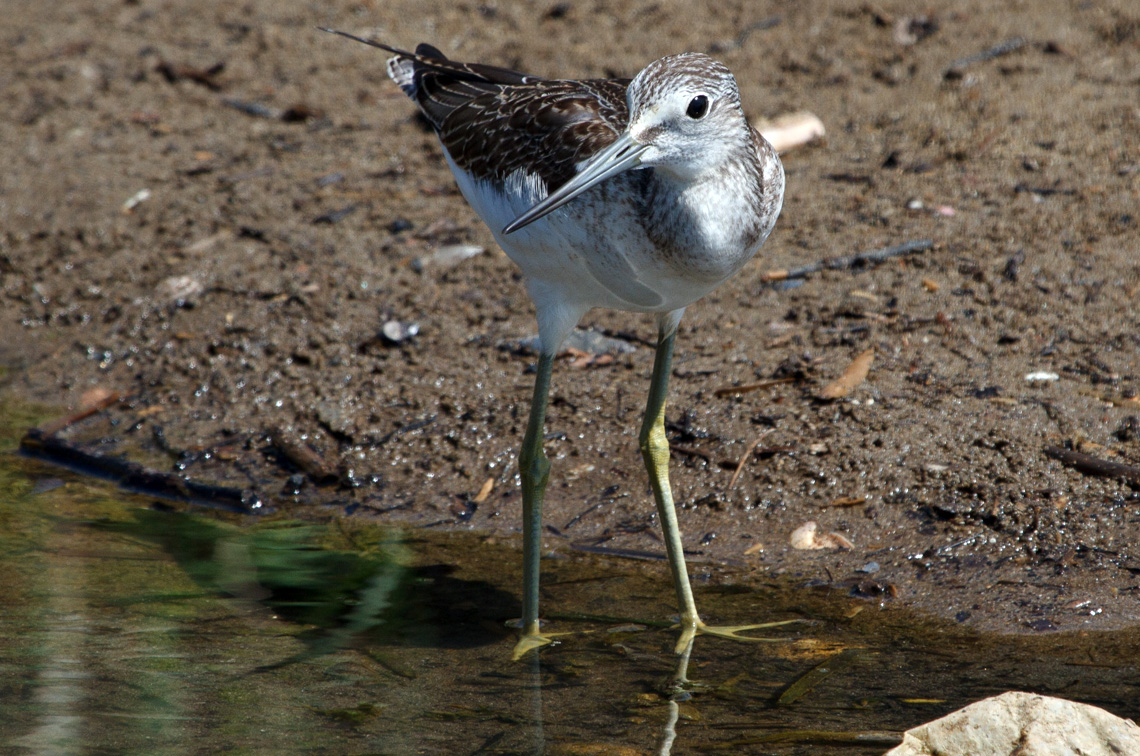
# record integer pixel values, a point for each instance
(394, 332)
(446, 257)
(179, 291)
(1042, 376)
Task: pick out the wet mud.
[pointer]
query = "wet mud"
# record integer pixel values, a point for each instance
(236, 222)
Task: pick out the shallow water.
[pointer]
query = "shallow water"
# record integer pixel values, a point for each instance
(129, 627)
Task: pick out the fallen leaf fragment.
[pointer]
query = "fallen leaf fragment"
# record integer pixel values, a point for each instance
(580, 360)
(97, 397)
(93, 401)
(136, 199)
(206, 243)
(447, 256)
(145, 412)
(808, 537)
(485, 491)
(791, 130)
(855, 374)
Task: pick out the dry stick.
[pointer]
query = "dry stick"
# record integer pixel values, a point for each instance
(134, 477)
(1093, 465)
(955, 69)
(574, 520)
(43, 443)
(690, 451)
(301, 455)
(692, 557)
(744, 459)
(839, 263)
(750, 387)
(865, 738)
(55, 426)
(606, 499)
(423, 423)
(817, 674)
(846, 501)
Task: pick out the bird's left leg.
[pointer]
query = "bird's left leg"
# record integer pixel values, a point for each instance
(655, 451)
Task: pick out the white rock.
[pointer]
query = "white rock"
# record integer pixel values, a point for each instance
(178, 290)
(446, 257)
(1023, 724)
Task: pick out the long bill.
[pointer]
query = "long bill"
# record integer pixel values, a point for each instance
(623, 155)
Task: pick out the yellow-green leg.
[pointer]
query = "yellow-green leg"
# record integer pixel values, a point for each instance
(534, 470)
(655, 451)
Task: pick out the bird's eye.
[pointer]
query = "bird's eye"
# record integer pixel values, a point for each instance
(698, 106)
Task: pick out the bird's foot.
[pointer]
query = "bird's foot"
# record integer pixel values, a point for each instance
(532, 639)
(692, 628)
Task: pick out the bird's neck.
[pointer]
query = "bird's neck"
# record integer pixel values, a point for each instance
(709, 202)
(719, 218)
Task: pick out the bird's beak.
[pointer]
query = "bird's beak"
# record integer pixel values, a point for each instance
(623, 155)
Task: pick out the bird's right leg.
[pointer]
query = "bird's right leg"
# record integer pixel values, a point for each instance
(534, 470)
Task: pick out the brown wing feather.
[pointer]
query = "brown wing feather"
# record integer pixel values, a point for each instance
(495, 121)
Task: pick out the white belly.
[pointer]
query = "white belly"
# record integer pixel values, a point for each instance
(593, 252)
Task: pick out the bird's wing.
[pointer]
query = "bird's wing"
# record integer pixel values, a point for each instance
(495, 121)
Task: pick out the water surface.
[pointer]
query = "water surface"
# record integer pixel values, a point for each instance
(129, 626)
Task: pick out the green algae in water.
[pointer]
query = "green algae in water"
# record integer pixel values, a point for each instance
(311, 574)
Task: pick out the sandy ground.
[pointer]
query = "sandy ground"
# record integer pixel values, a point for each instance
(215, 210)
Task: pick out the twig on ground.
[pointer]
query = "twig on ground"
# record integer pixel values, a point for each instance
(55, 426)
(690, 451)
(851, 261)
(134, 477)
(1091, 465)
(956, 69)
(302, 456)
(801, 687)
(745, 457)
(750, 387)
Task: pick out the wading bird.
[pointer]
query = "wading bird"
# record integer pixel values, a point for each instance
(640, 195)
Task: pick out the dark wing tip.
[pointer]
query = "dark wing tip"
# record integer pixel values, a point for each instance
(401, 68)
(368, 42)
(424, 50)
